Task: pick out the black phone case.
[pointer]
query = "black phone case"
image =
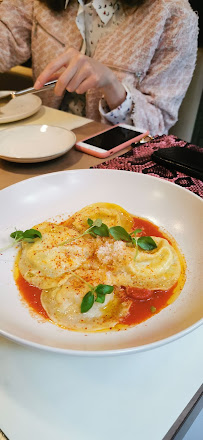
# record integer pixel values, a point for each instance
(182, 159)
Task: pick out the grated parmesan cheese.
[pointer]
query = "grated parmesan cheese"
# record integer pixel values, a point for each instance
(109, 251)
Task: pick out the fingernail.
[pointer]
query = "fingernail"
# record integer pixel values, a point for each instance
(37, 84)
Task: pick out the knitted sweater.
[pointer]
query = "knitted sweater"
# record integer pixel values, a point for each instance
(152, 51)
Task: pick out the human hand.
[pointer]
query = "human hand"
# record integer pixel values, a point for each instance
(81, 73)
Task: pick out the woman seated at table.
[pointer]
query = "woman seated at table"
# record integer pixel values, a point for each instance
(118, 60)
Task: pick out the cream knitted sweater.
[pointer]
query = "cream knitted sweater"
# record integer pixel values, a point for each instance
(153, 51)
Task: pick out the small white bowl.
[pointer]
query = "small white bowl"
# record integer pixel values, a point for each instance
(35, 143)
(19, 108)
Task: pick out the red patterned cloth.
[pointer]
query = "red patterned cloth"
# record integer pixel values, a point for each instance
(139, 160)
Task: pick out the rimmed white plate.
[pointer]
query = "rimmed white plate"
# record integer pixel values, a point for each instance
(35, 143)
(166, 204)
(19, 108)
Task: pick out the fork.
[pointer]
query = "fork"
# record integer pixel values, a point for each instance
(6, 99)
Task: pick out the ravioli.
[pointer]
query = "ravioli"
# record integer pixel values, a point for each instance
(46, 263)
(110, 213)
(62, 305)
(69, 261)
(156, 269)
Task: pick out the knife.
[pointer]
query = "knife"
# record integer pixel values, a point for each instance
(7, 98)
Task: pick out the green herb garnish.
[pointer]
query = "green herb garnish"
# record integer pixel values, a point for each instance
(87, 302)
(28, 236)
(153, 309)
(144, 242)
(103, 289)
(95, 294)
(98, 228)
(119, 233)
(95, 228)
(100, 298)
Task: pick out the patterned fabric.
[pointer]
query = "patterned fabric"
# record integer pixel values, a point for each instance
(152, 51)
(121, 114)
(139, 160)
(93, 20)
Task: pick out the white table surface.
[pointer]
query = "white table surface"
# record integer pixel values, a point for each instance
(11, 173)
(139, 397)
(136, 396)
(47, 115)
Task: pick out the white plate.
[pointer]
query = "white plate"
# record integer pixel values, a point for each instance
(167, 205)
(35, 143)
(19, 108)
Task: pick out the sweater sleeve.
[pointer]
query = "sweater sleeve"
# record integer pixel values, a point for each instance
(15, 32)
(159, 94)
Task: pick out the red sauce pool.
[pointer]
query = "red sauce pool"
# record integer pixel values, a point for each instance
(141, 309)
(148, 228)
(31, 295)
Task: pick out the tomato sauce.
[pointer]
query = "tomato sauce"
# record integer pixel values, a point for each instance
(148, 228)
(31, 295)
(145, 302)
(141, 309)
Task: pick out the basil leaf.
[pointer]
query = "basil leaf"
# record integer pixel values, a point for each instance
(119, 233)
(104, 289)
(136, 231)
(17, 235)
(102, 231)
(90, 221)
(146, 243)
(100, 298)
(32, 233)
(97, 222)
(87, 302)
(136, 253)
(92, 233)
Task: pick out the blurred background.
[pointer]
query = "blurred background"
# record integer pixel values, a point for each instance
(189, 126)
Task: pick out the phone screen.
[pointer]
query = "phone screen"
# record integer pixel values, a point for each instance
(111, 138)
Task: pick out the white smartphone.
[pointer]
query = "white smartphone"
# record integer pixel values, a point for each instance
(111, 140)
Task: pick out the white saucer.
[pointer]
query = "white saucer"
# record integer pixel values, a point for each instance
(19, 108)
(35, 143)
